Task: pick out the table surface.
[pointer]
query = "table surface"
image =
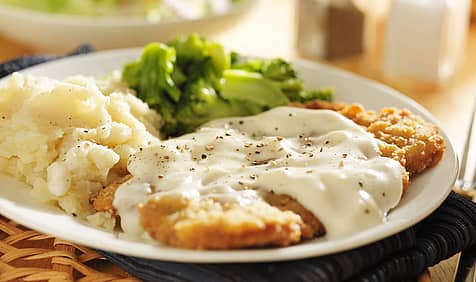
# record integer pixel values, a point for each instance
(269, 30)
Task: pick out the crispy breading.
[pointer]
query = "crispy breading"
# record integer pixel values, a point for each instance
(103, 201)
(209, 224)
(311, 226)
(415, 142)
(405, 137)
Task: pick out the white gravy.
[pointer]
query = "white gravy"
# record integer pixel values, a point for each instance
(322, 159)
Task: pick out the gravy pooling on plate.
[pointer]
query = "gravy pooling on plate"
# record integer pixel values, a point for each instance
(329, 164)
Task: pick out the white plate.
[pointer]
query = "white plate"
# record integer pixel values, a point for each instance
(425, 194)
(61, 33)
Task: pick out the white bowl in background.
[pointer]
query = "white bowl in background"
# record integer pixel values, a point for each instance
(60, 33)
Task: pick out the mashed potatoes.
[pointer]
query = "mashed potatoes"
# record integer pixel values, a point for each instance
(68, 139)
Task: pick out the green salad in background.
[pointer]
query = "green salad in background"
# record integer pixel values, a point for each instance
(153, 10)
(191, 80)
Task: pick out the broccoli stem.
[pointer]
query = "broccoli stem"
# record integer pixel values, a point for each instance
(252, 87)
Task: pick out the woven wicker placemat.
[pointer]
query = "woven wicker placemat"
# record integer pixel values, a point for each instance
(27, 255)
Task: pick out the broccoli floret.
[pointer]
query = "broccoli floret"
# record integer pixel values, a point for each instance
(151, 77)
(283, 76)
(278, 69)
(205, 105)
(195, 49)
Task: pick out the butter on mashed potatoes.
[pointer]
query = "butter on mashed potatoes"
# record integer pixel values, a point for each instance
(68, 139)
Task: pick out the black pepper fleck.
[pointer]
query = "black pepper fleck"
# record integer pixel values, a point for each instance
(361, 184)
(204, 156)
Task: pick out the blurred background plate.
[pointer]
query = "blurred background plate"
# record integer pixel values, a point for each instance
(61, 32)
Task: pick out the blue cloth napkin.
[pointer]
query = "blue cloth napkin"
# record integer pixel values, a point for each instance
(20, 63)
(401, 257)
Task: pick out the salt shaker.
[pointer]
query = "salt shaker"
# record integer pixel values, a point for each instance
(425, 39)
(329, 29)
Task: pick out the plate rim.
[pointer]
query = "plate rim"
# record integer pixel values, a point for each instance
(260, 255)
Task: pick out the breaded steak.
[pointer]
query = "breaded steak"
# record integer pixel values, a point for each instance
(278, 219)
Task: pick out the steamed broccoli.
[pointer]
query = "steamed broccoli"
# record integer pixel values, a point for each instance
(191, 81)
(182, 82)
